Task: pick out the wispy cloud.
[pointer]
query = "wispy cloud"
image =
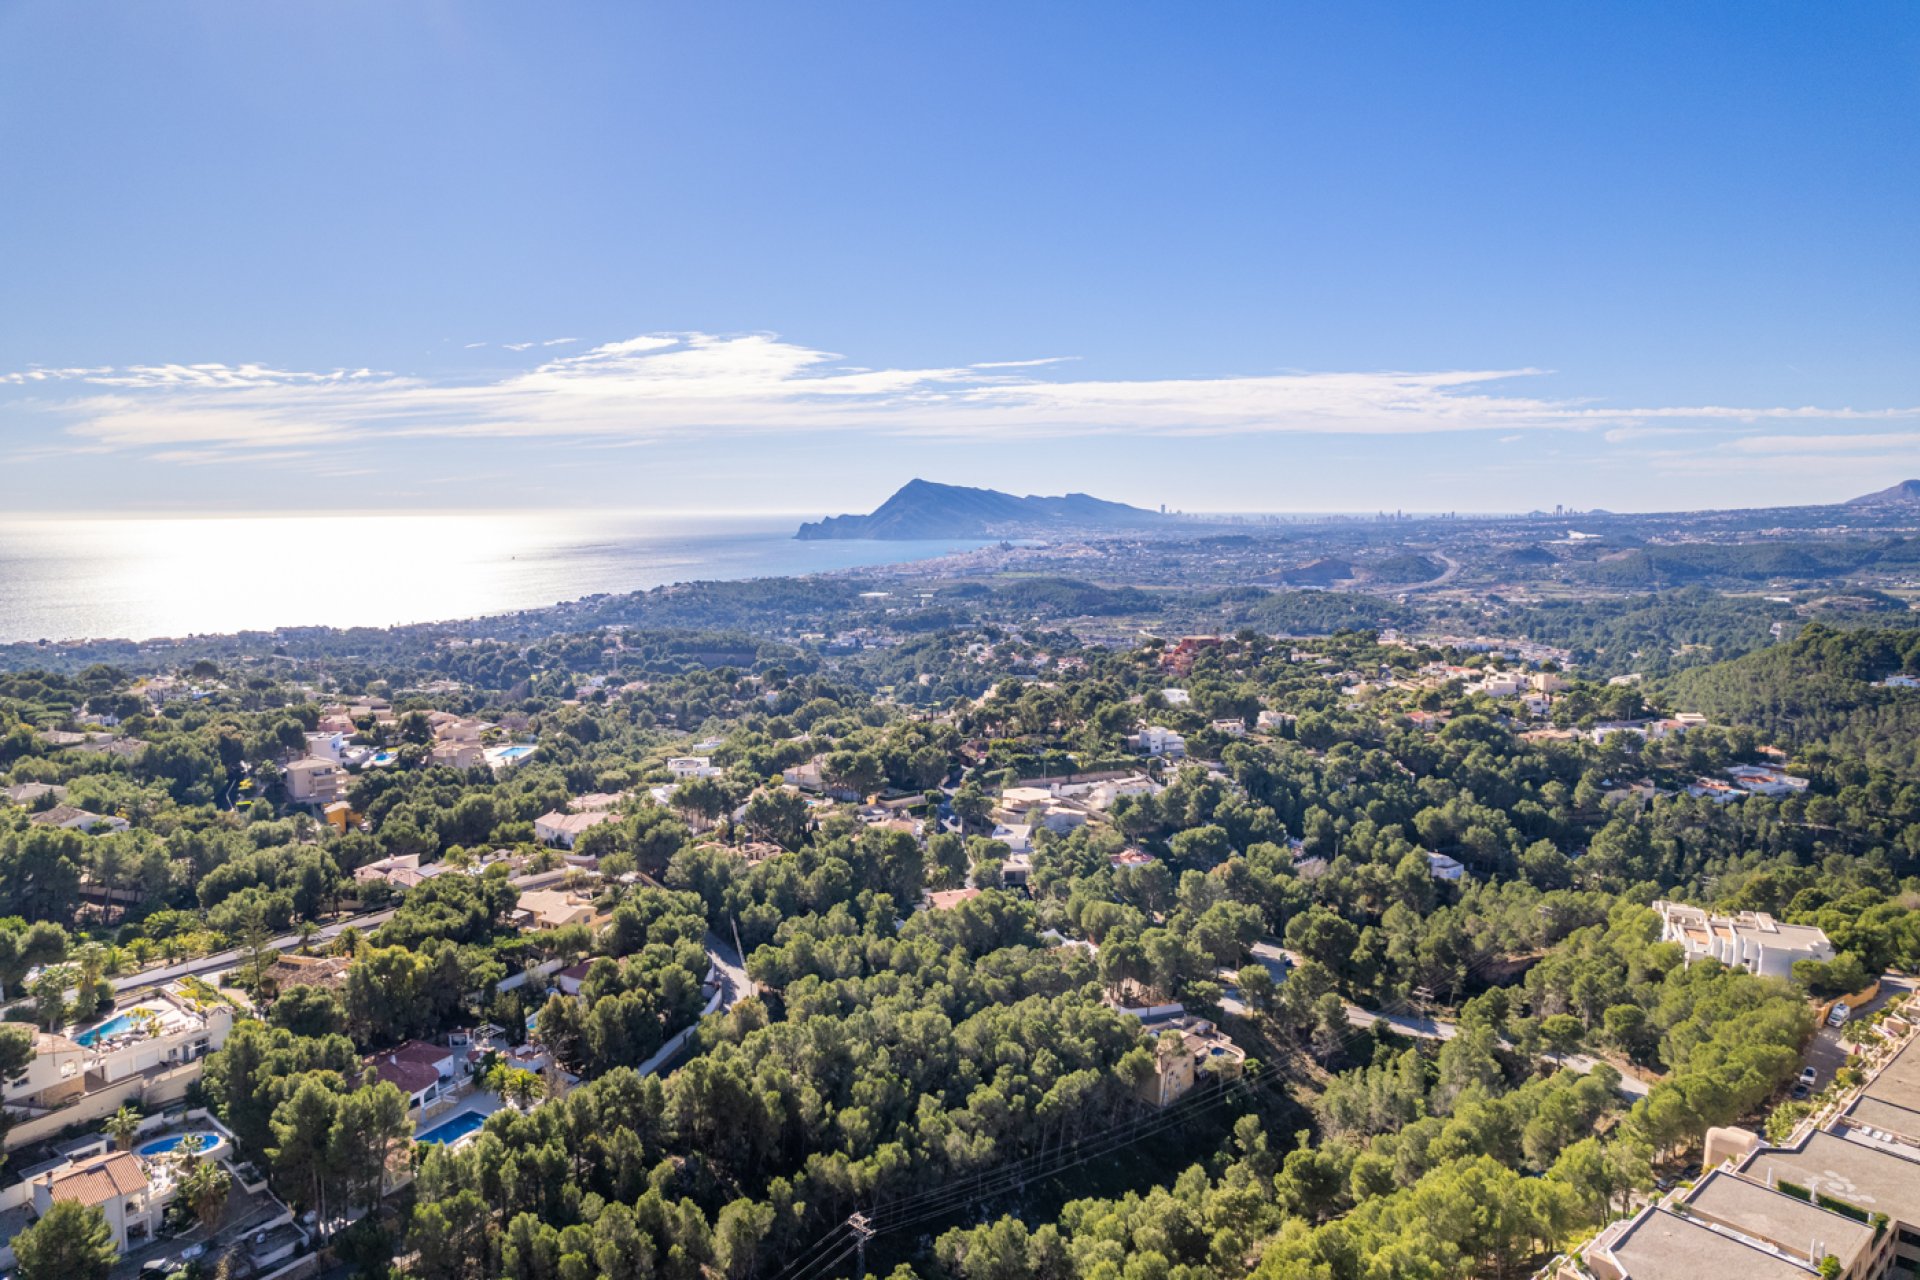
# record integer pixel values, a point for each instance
(694, 385)
(1824, 444)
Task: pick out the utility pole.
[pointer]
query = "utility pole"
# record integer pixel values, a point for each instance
(862, 1232)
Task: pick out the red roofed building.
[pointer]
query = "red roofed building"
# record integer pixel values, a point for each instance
(1179, 659)
(422, 1071)
(116, 1184)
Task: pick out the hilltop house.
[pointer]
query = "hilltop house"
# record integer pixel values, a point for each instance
(1750, 940)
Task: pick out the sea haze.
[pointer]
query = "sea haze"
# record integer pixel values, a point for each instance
(136, 578)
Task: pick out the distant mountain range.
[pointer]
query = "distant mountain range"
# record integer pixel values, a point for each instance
(1904, 494)
(922, 509)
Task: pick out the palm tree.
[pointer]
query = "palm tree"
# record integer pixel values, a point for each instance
(190, 1147)
(205, 1191)
(524, 1087)
(122, 1125)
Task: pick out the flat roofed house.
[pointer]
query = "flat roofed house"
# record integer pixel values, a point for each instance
(160, 1033)
(1017, 836)
(1021, 799)
(312, 780)
(1750, 940)
(1186, 1048)
(1157, 740)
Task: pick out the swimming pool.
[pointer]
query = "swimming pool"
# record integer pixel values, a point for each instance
(210, 1142)
(513, 755)
(448, 1132)
(113, 1026)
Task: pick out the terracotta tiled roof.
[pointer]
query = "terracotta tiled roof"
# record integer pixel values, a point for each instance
(408, 1077)
(101, 1179)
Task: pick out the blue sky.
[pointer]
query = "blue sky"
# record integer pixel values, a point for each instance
(773, 256)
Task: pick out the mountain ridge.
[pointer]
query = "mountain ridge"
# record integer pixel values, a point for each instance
(1904, 494)
(922, 509)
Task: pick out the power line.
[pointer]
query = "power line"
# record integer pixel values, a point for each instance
(944, 1201)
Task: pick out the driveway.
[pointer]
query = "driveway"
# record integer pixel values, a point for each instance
(735, 986)
(1825, 1054)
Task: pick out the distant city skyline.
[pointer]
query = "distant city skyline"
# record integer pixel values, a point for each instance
(1254, 258)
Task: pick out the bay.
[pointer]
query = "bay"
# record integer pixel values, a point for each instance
(137, 578)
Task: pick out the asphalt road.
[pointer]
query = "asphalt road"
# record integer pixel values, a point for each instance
(228, 959)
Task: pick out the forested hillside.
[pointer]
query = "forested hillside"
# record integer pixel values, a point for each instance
(1822, 691)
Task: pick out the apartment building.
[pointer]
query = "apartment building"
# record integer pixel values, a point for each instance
(1841, 1201)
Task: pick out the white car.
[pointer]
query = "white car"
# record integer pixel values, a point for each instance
(1839, 1015)
(1808, 1075)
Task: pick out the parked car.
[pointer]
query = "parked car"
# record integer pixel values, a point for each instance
(1800, 1091)
(1808, 1075)
(1839, 1015)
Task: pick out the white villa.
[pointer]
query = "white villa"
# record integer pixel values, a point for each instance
(1751, 940)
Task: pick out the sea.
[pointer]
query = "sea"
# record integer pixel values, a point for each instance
(137, 578)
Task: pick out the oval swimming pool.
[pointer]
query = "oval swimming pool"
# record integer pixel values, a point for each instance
(210, 1142)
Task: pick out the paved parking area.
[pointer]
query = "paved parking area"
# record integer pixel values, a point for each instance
(1826, 1055)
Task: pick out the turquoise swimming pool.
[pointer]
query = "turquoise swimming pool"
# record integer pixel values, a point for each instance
(111, 1027)
(210, 1142)
(448, 1132)
(509, 755)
